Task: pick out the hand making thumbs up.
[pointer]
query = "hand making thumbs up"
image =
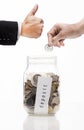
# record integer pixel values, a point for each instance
(32, 26)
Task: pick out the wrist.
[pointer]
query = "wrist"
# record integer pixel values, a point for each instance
(21, 29)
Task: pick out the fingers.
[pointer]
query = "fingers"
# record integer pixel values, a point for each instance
(52, 33)
(49, 39)
(37, 20)
(37, 31)
(58, 40)
(40, 29)
(55, 41)
(62, 43)
(59, 43)
(55, 37)
(50, 36)
(33, 20)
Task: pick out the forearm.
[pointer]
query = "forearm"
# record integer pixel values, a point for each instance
(81, 27)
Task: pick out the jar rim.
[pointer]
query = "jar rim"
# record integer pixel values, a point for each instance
(41, 57)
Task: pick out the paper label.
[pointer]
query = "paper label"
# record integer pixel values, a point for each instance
(42, 95)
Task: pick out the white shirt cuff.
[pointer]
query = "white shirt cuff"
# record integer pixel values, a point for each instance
(19, 30)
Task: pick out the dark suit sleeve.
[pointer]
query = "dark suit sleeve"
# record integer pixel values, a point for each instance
(8, 32)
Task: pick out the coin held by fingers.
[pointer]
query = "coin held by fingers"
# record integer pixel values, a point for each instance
(48, 48)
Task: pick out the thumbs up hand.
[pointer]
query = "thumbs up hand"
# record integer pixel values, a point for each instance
(32, 26)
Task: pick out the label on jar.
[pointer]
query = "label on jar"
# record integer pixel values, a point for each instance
(42, 95)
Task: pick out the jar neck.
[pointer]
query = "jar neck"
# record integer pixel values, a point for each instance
(42, 60)
(41, 64)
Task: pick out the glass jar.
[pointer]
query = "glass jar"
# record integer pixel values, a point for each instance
(41, 86)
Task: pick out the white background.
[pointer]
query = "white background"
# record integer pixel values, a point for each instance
(70, 64)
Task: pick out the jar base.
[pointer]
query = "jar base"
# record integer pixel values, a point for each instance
(50, 113)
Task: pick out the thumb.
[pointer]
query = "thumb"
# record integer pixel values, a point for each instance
(33, 11)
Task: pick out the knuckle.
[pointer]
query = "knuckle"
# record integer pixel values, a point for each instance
(40, 33)
(41, 20)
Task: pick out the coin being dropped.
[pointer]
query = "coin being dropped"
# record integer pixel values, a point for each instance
(48, 48)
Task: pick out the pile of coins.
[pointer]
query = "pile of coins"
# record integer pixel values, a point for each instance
(30, 88)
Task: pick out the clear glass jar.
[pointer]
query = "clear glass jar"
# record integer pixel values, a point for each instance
(41, 86)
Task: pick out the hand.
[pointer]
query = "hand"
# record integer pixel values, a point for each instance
(32, 26)
(60, 32)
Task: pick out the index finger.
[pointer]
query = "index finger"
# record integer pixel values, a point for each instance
(50, 39)
(51, 34)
